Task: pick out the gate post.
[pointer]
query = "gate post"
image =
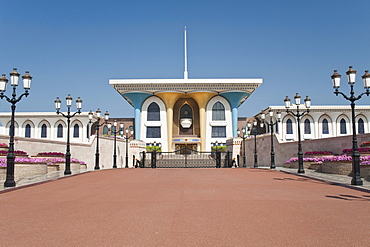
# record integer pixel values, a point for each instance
(154, 159)
(228, 158)
(237, 158)
(142, 163)
(218, 159)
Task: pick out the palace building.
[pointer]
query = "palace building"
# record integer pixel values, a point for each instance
(180, 113)
(320, 122)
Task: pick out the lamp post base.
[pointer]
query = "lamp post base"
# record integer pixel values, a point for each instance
(356, 181)
(67, 172)
(9, 183)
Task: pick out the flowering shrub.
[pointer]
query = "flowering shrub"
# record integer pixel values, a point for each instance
(49, 161)
(294, 159)
(365, 163)
(3, 152)
(319, 153)
(3, 145)
(360, 150)
(51, 154)
(364, 159)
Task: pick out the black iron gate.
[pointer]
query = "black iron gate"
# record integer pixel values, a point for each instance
(185, 158)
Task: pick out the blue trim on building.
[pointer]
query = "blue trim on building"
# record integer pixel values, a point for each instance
(136, 99)
(234, 99)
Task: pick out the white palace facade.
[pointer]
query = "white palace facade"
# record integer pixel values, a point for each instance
(320, 122)
(47, 126)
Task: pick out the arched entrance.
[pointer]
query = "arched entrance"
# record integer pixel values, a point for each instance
(186, 126)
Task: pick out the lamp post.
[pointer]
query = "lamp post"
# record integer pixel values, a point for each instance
(96, 127)
(58, 102)
(131, 130)
(298, 115)
(216, 146)
(253, 131)
(121, 125)
(351, 76)
(243, 145)
(271, 124)
(14, 78)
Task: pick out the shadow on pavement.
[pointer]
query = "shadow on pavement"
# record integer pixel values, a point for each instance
(299, 180)
(350, 197)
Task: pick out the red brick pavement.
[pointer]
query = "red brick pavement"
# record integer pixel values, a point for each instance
(185, 207)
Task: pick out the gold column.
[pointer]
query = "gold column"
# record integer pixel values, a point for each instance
(202, 99)
(169, 99)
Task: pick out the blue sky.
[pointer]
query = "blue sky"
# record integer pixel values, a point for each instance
(75, 47)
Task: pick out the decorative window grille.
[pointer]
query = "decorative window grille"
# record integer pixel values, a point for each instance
(153, 132)
(218, 131)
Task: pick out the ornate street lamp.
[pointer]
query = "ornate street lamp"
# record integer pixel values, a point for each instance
(58, 102)
(127, 137)
(243, 136)
(115, 132)
(96, 127)
(14, 78)
(298, 115)
(271, 125)
(351, 76)
(254, 131)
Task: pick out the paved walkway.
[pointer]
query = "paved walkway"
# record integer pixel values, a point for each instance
(185, 207)
(329, 178)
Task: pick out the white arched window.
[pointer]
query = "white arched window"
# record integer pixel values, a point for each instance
(60, 131)
(361, 126)
(343, 127)
(289, 127)
(307, 127)
(105, 130)
(218, 112)
(76, 131)
(325, 126)
(44, 131)
(27, 131)
(153, 112)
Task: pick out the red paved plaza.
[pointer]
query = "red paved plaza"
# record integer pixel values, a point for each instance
(185, 207)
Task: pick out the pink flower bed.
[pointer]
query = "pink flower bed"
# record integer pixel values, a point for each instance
(48, 161)
(56, 154)
(319, 153)
(365, 160)
(360, 150)
(15, 152)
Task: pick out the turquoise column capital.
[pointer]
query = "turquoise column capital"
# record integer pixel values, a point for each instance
(136, 99)
(235, 99)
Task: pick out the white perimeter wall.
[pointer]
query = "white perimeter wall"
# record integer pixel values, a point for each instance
(82, 151)
(285, 150)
